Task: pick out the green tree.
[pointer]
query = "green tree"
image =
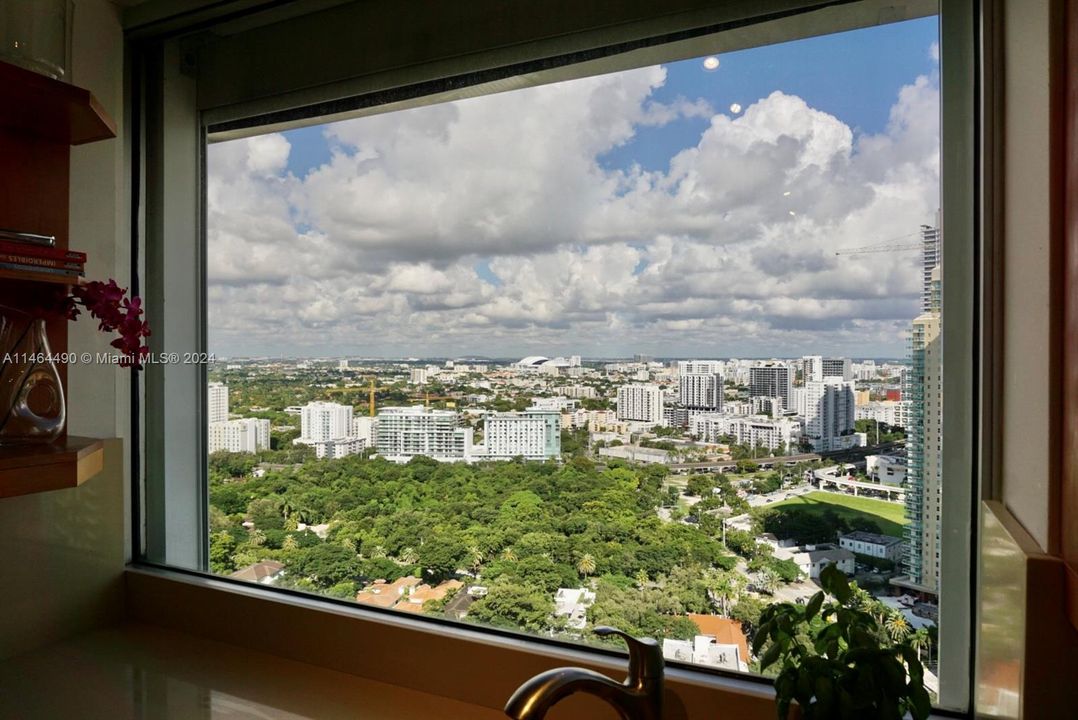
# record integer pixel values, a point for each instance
(222, 547)
(508, 604)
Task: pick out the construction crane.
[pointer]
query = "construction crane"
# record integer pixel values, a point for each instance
(902, 247)
(891, 245)
(372, 398)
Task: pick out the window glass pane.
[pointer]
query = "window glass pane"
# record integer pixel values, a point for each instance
(647, 349)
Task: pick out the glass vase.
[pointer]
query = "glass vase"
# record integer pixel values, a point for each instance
(31, 394)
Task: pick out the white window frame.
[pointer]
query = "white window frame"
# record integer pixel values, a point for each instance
(169, 243)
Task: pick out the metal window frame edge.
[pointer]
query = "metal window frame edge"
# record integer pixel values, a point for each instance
(967, 345)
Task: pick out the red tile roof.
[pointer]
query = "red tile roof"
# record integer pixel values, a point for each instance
(724, 630)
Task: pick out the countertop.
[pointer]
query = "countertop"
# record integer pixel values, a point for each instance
(140, 671)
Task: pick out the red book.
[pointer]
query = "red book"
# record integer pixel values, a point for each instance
(16, 248)
(32, 261)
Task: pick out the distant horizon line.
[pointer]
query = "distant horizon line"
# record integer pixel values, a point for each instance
(514, 359)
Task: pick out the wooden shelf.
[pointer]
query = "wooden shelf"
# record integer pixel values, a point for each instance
(49, 109)
(66, 463)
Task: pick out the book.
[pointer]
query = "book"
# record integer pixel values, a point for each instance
(28, 238)
(34, 261)
(61, 272)
(14, 248)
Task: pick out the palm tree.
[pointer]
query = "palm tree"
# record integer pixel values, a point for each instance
(768, 580)
(896, 626)
(723, 586)
(920, 640)
(641, 579)
(509, 555)
(408, 556)
(378, 552)
(257, 538)
(290, 543)
(586, 564)
(477, 557)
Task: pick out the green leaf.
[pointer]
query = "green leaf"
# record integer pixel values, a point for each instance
(770, 656)
(920, 703)
(762, 634)
(813, 606)
(834, 582)
(825, 696)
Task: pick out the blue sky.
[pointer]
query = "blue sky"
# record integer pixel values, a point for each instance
(436, 231)
(852, 75)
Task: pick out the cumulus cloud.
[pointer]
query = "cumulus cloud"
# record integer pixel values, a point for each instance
(490, 226)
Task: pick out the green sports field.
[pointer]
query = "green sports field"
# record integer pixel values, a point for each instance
(889, 516)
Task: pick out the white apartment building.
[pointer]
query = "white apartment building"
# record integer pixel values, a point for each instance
(321, 421)
(753, 430)
(404, 432)
(829, 414)
(701, 367)
(341, 447)
(701, 391)
(581, 392)
(888, 412)
(816, 368)
(418, 376)
(866, 370)
(642, 403)
(772, 407)
(217, 402)
(365, 428)
(594, 420)
(874, 545)
(532, 434)
(887, 469)
(553, 404)
(246, 435)
(773, 379)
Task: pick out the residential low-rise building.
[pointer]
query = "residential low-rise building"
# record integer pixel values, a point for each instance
(753, 430)
(635, 453)
(245, 435)
(266, 572)
(812, 559)
(341, 447)
(874, 545)
(886, 469)
(573, 604)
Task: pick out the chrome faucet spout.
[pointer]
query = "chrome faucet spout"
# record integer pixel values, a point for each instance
(640, 697)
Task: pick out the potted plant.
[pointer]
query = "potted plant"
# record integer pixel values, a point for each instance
(837, 660)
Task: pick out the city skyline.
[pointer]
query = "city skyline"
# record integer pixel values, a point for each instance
(666, 210)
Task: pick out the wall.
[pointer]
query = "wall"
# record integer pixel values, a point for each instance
(1025, 642)
(64, 551)
(63, 560)
(1030, 228)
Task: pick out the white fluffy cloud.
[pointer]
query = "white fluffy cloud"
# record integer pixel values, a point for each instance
(489, 226)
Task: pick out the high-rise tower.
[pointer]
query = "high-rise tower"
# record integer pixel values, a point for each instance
(924, 383)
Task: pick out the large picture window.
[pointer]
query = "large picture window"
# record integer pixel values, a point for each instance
(648, 348)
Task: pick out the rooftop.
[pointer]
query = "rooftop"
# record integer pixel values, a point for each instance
(870, 537)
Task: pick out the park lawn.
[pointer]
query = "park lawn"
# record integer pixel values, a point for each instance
(889, 516)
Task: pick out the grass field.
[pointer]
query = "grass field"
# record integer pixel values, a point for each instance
(889, 516)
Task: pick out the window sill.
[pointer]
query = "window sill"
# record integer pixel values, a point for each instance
(144, 671)
(458, 663)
